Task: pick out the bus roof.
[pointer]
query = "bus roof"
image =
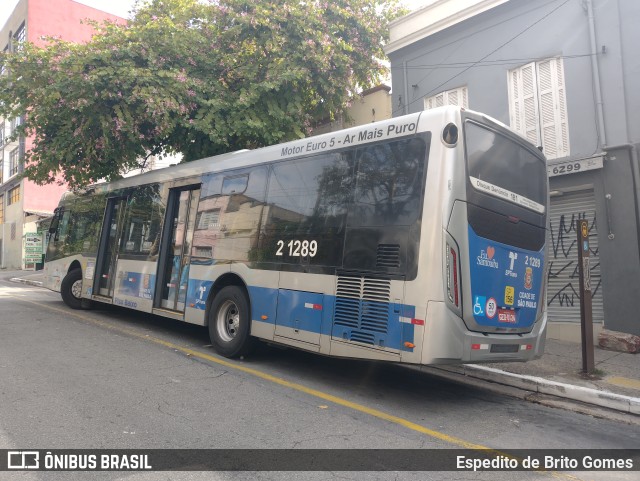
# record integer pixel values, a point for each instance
(386, 129)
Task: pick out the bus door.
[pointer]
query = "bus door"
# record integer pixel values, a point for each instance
(108, 250)
(175, 257)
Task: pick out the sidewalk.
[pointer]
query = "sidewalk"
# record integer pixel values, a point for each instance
(32, 278)
(615, 384)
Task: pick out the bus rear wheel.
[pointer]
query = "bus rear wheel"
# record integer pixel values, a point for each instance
(71, 290)
(230, 323)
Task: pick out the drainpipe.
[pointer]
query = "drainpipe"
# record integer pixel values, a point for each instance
(595, 72)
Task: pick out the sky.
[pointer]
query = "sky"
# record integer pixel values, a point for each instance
(122, 7)
(117, 7)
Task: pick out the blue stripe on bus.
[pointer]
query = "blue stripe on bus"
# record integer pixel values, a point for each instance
(377, 323)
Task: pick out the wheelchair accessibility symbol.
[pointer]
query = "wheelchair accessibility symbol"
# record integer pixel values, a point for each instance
(479, 303)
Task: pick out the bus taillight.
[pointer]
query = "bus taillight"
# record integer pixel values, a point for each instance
(452, 275)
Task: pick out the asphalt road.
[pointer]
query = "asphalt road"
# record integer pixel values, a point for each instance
(112, 378)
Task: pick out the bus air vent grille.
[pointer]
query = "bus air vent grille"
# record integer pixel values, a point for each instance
(388, 255)
(362, 307)
(375, 316)
(364, 337)
(347, 312)
(349, 287)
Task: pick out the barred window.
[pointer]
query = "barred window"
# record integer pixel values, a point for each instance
(3, 69)
(14, 162)
(1, 209)
(15, 123)
(19, 38)
(14, 195)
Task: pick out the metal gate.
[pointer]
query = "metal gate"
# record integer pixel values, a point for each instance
(563, 291)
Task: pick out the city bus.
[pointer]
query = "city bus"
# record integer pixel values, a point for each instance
(419, 239)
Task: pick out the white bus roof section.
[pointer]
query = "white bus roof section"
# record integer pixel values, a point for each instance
(383, 130)
(432, 18)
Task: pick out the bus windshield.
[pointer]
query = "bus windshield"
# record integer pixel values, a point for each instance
(504, 168)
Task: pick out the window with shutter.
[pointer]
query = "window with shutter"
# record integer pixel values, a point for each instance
(457, 97)
(537, 105)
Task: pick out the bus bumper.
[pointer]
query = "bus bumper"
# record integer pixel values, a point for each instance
(448, 341)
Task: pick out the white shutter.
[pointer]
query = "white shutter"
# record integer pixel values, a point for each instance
(562, 129)
(459, 97)
(547, 110)
(523, 105)
(452, 97)
(555, 138)
(538, 107)
(515, 101)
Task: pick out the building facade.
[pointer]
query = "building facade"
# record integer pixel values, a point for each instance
(563, 74)
(23, 203)
(369, 106)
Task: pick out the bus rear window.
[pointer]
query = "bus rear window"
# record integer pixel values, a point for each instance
(503, 167)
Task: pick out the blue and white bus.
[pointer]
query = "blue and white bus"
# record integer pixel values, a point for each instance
(419, 239)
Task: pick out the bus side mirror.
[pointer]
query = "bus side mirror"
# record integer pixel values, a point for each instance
(57, 213)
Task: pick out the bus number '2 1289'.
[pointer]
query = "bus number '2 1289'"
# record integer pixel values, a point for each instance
(419, 239)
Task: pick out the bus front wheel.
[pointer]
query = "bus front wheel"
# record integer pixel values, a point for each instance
(230, 323)
(71, 290)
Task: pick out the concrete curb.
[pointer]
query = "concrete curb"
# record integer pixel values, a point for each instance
(26, 281)
(617, 402)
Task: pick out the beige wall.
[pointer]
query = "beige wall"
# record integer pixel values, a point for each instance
(372, 105)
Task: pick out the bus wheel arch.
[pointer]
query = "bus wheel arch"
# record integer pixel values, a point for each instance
(71, 288)
(229, 317)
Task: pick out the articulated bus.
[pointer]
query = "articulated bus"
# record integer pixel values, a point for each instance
(419, 239)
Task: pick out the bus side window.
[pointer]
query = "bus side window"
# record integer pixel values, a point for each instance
(142, 227)
(63, 227)
(55, 222)
(228, 216)
(307, 203)
(389, 183)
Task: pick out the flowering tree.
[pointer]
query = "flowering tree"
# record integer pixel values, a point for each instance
(192, 78)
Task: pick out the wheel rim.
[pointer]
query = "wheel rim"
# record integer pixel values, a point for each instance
(228, 321)
(76, 289)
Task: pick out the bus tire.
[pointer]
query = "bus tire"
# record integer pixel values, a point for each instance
(230, 323)
(71, 290)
